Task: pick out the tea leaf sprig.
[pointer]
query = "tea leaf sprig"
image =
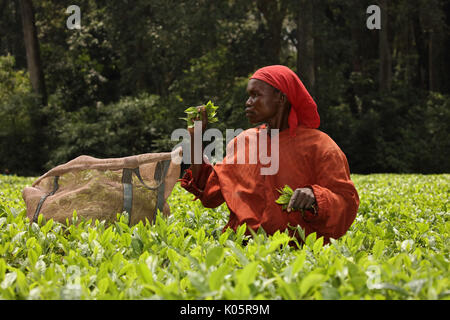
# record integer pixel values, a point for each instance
(193, 113)
(285, 197)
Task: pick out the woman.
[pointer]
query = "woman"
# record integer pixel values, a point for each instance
(325, 200)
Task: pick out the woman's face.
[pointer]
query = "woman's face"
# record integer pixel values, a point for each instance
(263, 104)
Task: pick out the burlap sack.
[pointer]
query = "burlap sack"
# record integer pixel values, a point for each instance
(101, 188)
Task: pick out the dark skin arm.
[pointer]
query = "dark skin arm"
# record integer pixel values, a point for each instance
(195, 168)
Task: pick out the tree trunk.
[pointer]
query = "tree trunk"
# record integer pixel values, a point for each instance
(431, 83)
(305, 45)
(274, 13)
(422, 51)
(384, 51)
(32, 49)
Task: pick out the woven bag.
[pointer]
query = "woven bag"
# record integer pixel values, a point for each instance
(101, 188)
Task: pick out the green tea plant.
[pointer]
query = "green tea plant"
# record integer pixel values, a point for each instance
(285, 196)
(193, 113)
(397, 248)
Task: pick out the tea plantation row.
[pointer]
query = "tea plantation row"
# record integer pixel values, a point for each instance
(397, 248)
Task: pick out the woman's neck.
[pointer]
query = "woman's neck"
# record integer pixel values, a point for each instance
(281, 123)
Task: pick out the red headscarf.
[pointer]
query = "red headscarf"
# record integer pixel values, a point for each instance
(303, 107)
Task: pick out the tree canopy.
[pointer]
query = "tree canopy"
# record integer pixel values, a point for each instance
(119, 85)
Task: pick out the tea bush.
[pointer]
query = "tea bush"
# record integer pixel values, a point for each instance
(397, 248)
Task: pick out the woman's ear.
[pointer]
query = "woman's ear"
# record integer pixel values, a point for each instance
(284, 99)
(280, 96)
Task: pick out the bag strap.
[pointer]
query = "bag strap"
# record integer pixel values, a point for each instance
(160, 174)
(138, 175)
(43, 198)
(127, 177)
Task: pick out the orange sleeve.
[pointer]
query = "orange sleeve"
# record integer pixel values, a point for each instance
(336, 196)
(206, 187)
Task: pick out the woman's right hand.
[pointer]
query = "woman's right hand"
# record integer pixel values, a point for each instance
(204, 119)
(195, 167)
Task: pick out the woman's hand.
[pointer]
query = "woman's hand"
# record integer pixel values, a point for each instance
(195, 167)
(303, 198)
(204, 119)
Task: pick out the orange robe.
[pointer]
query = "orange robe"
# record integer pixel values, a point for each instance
(310, 159)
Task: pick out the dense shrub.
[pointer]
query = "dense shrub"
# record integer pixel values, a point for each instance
(404, 131)
(394, 134)
(119, 129)
(20, 121)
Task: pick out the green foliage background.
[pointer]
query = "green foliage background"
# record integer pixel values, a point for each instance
(119, 85)
(397, 248)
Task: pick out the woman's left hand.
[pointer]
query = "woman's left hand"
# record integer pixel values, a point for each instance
(303, 198)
